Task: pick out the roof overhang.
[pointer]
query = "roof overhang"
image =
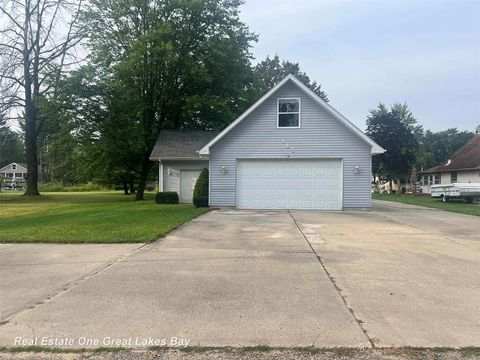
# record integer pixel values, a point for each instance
(447, 170)
(200, 158)
(375, 148)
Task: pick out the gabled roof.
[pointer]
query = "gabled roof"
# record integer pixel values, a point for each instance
(22, 165)
(376, 149)
(465, 158)
(180, 144)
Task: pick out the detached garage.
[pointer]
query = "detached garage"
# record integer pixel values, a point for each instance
(290, 150)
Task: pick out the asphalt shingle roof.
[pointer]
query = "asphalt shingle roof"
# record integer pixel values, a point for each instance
(182, 144)
(465, 158)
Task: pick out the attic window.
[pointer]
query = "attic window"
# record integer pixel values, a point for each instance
(288, 113)
(14, 167)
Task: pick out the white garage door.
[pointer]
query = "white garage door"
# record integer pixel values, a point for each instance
(289, 184)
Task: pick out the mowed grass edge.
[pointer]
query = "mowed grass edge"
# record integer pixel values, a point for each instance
(97, 217)
(458, 206)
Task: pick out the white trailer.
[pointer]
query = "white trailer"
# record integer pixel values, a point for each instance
(466, 191)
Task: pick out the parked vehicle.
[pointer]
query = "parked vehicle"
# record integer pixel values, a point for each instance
(466, 191)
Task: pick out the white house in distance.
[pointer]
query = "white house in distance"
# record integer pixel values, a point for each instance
(289, 150)
(463, 167)
(14, 171)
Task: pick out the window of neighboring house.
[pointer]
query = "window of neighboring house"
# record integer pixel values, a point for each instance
(430, 180)
(25, 176)
(437, 179)
(453, 177)
(18, 175)
(425, 179)
(288, 113)
(14, 167)
(9, 175)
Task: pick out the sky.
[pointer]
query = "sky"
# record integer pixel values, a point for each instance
(425, 53)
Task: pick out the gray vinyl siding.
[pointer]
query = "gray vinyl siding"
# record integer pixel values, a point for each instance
(320, 136)
(171, 172)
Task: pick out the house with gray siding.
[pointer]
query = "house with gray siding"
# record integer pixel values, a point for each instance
(289, 150)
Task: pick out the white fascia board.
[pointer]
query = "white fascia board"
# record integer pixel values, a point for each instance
(155, 158)
(20, 166)
(206, 149)
(376, 149)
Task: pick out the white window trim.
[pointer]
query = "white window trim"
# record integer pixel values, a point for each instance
(299, 113)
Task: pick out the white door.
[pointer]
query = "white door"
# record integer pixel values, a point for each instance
(188, 178)
(289, 184)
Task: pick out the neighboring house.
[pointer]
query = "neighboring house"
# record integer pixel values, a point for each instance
(290, 150)
(14, 171)
(463, 167)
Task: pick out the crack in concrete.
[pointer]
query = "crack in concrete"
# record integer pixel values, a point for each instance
(337, 288)
(71, 285)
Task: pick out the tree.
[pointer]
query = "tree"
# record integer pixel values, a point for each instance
(385, 127)
(181, 64)
(405, 115)
(200, 192)
(94, 136)
(271, 71)
(36, 42)
(11, 145)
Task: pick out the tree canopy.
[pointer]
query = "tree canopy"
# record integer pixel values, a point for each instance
(393, 130)
(168, 65)
(271, 71)
(11, 145)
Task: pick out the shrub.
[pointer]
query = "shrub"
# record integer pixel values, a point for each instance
(166, 197)
(200, 192)
(59, 187)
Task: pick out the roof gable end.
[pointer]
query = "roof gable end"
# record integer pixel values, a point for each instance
(23, 166)
(375, 148)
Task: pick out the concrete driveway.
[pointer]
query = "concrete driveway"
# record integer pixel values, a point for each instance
(396, 276)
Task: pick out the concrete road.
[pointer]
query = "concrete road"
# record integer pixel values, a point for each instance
(395, 276)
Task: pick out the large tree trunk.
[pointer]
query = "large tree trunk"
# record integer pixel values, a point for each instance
(142, 182)
(30, 134)
(32, 161)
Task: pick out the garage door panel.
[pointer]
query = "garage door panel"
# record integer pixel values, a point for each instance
(289, 184)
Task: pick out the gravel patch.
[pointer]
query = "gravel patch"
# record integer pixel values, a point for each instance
(227, 354)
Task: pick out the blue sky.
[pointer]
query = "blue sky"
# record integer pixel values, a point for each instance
(425, 53)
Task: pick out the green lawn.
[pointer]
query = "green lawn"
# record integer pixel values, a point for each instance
(458, 206)
(94, 217)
